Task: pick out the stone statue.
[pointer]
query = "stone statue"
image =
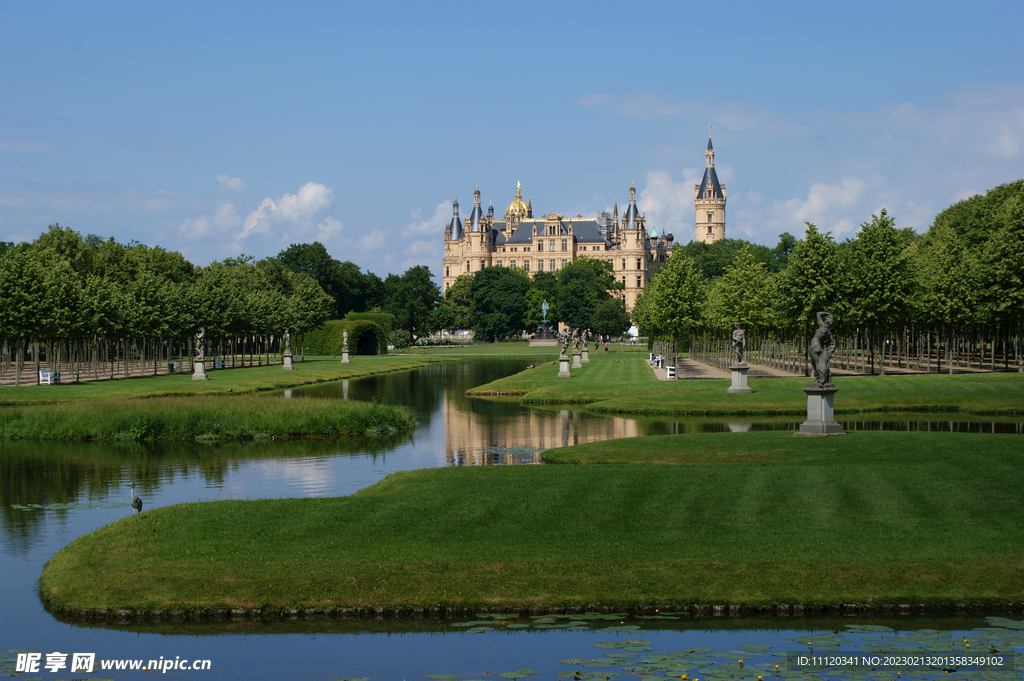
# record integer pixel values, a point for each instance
(344, 341)
(544, 310)
(586, 340)
(200, 344)
(575, 341)
(739, 342)
(821, 349)
(565, 340)
(287, 342)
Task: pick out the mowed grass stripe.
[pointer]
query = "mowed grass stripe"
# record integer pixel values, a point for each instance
(881, 517)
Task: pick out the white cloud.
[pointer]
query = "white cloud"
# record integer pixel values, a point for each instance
(667, 204)
(373, 241)
(224, 220)
(231, 183)
(294, 212)
(432, 226)
(823, 205)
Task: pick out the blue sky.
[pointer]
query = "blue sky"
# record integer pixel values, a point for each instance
(224, 128)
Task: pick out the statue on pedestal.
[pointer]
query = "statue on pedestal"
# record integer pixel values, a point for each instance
(344, 341)
(564, 337)
(821, 349)
(586, 340)
(287, 342)
(544, 310)
(200, 344)
(739, 342)
(575, 341)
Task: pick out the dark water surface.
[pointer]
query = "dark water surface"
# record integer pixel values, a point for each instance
(52, 493)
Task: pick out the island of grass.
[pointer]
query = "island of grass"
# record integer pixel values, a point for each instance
(733, 518)
(623, 383)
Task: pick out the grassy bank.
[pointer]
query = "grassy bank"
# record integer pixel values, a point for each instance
(612, 384)
(753, 518)
(202, 418)
(220, 382)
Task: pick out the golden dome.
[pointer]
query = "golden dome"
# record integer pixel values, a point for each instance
(517, 210)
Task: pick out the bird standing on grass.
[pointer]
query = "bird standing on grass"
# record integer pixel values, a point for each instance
(136, 502)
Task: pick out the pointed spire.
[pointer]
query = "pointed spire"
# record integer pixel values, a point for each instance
(455, 206)
(476, 195)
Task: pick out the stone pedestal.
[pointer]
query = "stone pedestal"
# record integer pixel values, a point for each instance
(344, 357)
(563, 367)
(287, 361)
(739, 379)
(199, 370)
(586, 357)
(576, 361)
(820, 411)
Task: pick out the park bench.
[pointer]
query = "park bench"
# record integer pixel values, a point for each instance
(49, 377)
(218, 363)
(670, 372)
(174, 367)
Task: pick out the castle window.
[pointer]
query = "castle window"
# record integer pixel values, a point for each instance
(447, 271)
(483, 264)
(709, 229)
(709, 216)
(638, 263)
(623, 267)
(540, 245)
(552, 263)
(564, 244)
(526, 265)
(551, 247)
(584, 248)
(499, 263)
(638, 282)
(540, 265)
(564, 263)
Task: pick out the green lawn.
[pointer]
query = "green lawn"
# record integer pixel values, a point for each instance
(754, 518)
(221, 381)
(625, 384)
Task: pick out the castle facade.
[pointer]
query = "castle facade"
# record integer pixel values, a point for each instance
(549, 243)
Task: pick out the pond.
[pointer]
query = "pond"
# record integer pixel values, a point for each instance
(51, 493)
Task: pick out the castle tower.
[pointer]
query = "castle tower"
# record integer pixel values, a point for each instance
(451, 264)
(709, 201)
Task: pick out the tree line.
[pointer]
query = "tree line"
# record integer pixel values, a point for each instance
(952, 295)
(93, 307)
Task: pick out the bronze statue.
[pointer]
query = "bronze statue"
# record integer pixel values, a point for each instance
(821, 349)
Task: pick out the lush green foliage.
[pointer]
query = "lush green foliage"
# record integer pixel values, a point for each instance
(497, 298)
(351, 289)
(365, 337)
(965, 274)
(411, 298)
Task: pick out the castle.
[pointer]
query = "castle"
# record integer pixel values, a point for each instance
(548, 243)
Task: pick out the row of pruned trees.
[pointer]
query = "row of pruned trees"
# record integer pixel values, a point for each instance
(952, 296)
(93, 307)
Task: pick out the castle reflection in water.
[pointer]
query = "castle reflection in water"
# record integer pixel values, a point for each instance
(476, 439)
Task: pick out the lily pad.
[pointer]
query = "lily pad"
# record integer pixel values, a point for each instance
(518, 674)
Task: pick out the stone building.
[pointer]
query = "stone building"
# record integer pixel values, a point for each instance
(549, 243)
(709, 201)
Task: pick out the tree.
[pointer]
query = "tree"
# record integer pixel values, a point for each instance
(411, 298)
(947, 277)
(782, 251)
(674, 304)
(745, 294)
(1003, 271)
(880, 279)
(498, 302)
(610, 318)
(582, 284)
(811, 282)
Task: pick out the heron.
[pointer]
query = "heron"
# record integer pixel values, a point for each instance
(136, 502)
